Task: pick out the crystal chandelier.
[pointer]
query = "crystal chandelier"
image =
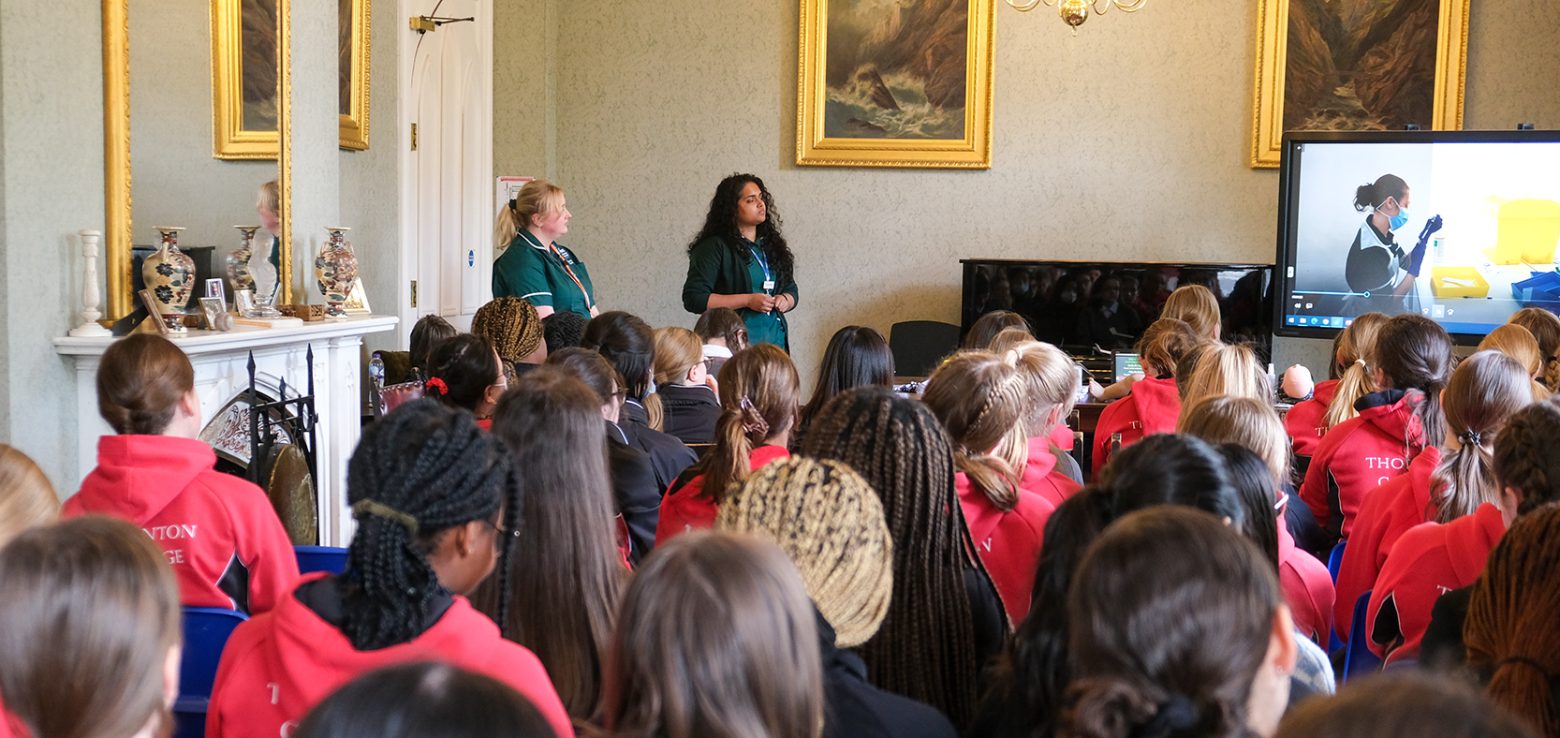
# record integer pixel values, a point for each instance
(1075, 12)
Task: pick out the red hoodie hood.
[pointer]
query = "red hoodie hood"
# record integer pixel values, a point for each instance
(1158, 404)
(1470, 539)
(137, 476)
(1325, 391)
(1392, 413)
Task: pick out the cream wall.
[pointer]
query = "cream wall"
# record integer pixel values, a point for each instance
(1126, 141)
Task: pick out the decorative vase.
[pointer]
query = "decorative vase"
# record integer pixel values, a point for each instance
(336, 269)
(238, 261)
(170, 276)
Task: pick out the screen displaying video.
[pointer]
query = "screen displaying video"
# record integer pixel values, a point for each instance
(1462, 231)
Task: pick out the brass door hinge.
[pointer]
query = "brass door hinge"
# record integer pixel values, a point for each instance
(414, 293)
(414, 137)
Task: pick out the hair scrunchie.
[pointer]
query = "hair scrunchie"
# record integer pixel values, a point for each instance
(1469, 438)
(377, 509)
(1361, 363)
(434, 385)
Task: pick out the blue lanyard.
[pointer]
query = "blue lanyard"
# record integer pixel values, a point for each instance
(763, 263)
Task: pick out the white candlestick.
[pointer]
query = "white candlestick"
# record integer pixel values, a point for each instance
(90, 296)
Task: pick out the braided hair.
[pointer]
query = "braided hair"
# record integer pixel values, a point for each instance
(1525, 458)
(1510, 631)
(512, 326)
(416, 473)
(981, 399)
(925, 649)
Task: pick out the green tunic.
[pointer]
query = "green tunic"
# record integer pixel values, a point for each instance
(715, 268)
(541, 275)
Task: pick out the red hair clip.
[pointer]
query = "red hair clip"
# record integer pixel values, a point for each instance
(434, 384)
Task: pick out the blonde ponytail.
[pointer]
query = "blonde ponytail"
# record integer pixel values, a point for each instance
(1354, 346)
(537, 197)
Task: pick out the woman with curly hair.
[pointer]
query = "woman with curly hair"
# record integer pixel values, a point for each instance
(740, 261)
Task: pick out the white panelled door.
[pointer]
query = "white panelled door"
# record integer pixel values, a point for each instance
(446, 168)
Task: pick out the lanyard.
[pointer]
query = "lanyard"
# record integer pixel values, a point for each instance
(763, 263)
(562, 260)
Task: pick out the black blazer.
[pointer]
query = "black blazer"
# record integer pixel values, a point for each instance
(634, 490)
(853, 708)
(668, 456)
(689, 413)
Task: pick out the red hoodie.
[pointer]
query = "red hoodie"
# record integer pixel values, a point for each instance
(1308, 588)
(226, 545)
(1360, 454)
(1153, 407)
(1008, 543)
(686, 508)
(1040, 475)
(279, 665)
(1061, 437)
(1428, 561)
(1401, 503)
(1303, 422)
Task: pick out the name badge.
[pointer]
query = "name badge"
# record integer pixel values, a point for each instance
(769, 285)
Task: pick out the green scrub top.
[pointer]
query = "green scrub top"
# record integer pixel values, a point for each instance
(762, 327)
(541, 276)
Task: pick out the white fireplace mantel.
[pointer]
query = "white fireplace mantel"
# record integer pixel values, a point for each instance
(221, 361)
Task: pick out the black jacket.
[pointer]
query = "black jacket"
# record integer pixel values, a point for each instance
(853, 708)
(689, 413)
(668, 456)
(634, 490)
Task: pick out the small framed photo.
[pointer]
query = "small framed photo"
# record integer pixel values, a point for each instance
(153, 311)
(244, 301)
(215, 289)
(212, 308)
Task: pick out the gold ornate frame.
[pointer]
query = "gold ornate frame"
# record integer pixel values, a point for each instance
(813, 148)
(230, 140)
(1267, 115)
(354, 125)
(116, 155)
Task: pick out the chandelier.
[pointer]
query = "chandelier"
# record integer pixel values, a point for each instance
(1075, 12)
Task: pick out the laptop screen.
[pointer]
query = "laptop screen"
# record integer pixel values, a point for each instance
(1127, 364)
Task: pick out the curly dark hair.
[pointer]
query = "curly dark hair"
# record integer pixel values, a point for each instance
(722, 222)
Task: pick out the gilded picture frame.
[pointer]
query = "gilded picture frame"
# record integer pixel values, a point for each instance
(895, 85)
(244, 79)
(353, 46)
(1350, 88)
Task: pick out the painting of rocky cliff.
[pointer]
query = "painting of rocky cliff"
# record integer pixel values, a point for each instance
(896, 68)
(1360, 64)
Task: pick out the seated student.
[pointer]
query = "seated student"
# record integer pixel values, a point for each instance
(829, 522)
(1545, 327)
(1440, 485)
(1510, 633)
(1254, 425)
(27, 500)
(1433, 558)
(1402, 705)
(220, 533)
(1196, 306)
(634, 489)
(89, 632)
(986, 327)
(427, 334)
(1519, 344)
(758, 390)
(423, 699)
(715, 631)
(1050, 386)
(1153, 404)
(1249, 474)
(981, 400)
(1311, 418)
(629, 345)
(466, 373)
(856, 356)
(683, 404)
(944, 619)
(1223, 370)
(1410, 364)
(562, 330)
(511, 326)
(435, 502)
(1028, 685)
(565, 549)
(1146, 664)
(723, 333)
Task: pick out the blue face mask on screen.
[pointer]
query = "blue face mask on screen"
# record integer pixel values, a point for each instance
(1395, 222)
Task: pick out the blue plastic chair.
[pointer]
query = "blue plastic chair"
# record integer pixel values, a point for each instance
(206, 632)
(1335, 560)
(1358, 659)
(328, 559)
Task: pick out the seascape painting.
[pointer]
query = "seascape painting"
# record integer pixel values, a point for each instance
(1360, 65)
(895, 83)
(896, 69)
(1356, 65)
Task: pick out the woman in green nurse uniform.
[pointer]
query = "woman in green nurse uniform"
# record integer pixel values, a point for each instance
(535, 267)
(739, 260)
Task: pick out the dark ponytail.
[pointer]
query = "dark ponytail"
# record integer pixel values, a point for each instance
(1371, 196)
(759, 398)
(1415, 353)
(419, 471)
(461, 369)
